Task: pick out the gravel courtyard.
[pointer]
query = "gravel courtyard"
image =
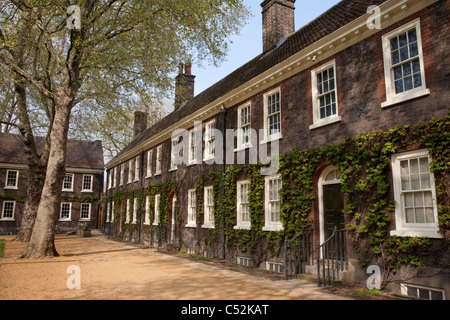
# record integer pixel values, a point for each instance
(111, 270)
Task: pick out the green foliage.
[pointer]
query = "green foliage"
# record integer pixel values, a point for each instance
(14, 197)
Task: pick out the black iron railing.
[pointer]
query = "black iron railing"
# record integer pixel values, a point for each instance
(298, 253)
(331, 257)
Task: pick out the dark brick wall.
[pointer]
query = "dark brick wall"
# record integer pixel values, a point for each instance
(360, 80)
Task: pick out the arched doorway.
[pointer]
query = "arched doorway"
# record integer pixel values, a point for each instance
(331, 202)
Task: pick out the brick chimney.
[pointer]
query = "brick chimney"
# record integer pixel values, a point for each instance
(140, 122)
(184, 87)
(278, 21)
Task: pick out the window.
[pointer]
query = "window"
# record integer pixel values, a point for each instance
(68, 182)
(87, 183)
(147, 210)
(414, 192)
(173, 155)
(9, 208)
(136, 169)
(109, 179)
(12, 179)
(122, 172)
(243, 206)
(272, 203)
(66, 211)
(244, 126)
(158, 160)
(112, 211)
(130, 171)
(135, 210)
(403, 64)
(108, 211)
(149, 163)
(421, 292)
(210, 143)
(192, 208)
(85, 212)
(115, 177)
(272, 115)
(324, 94)
(127, 214)
(156, 221)
(209, 208)
(192, 147)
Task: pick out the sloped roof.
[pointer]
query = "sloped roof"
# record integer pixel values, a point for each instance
(80, 154)
(336, 17)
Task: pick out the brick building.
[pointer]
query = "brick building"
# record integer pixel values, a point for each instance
(82, 185)
(351, 101)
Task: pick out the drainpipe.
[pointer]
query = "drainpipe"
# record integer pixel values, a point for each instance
(223, 113)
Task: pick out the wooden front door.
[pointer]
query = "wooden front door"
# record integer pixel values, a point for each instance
(333, 204)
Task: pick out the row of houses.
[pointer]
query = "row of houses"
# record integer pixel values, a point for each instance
(82, 187)
(363, 67)
(338, 128)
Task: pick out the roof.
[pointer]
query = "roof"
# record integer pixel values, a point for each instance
(335, 18)
(80, 154)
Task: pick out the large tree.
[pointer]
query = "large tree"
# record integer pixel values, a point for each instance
(109, 50)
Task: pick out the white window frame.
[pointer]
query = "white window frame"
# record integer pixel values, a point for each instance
(157, 199)
(89, 211)
(109, 179)
(192, 208)
(240, 223)
(430, 230)
(147, 211)
(317, 120)
(72, 176)
(13, 210)
(116, 177)
(267, 135)
(16, 184)
(112, 211)
(391, 96)
(91, 182)
(149, 163)
(173, 143)
(136, 168)
(192, 147)
(130, 171)
(158, 160)
(405, 286)
(127, 213)
(108, 211)
(208, 204)
(270, 225)
(135, 209)
(240, 127)
(210, 140)
(61, 209)
(122, 173)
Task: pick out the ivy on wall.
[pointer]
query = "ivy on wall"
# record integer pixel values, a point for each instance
(364, 163)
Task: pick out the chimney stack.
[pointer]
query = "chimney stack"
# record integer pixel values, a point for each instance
(140, 122)
(278, 21)
(184, 88)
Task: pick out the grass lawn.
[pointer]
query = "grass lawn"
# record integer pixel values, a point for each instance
(2, 247)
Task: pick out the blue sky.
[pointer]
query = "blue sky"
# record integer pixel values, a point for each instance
(248, 44)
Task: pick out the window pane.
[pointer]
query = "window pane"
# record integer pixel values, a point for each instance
(410, 216)
(412, 35)
(408, 83)
(399, 86)
(394, 43)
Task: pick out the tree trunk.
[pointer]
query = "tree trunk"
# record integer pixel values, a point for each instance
(36, 164)
(42, 241)
(36, 177)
